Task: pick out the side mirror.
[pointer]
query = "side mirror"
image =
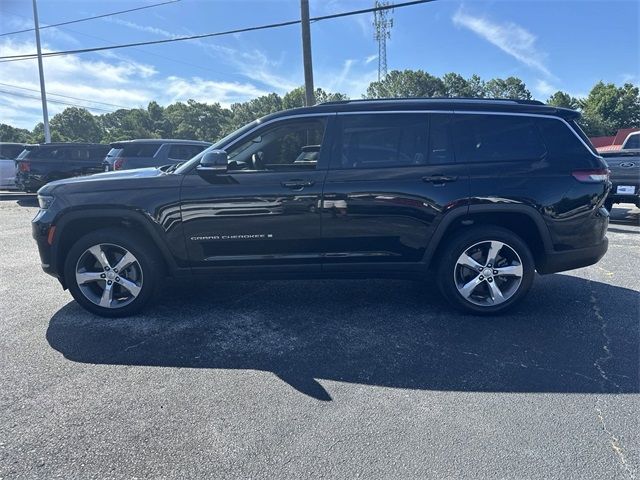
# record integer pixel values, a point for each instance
(214, 161)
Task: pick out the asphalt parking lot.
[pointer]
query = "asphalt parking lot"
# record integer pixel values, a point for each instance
(321, 379)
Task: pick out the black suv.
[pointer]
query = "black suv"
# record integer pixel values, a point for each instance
(40, 164)
(478, 194)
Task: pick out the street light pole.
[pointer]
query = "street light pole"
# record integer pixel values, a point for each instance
(306, 53)
(43, 93)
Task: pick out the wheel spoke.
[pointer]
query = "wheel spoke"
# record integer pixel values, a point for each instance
(467, 261)
(496, 293)
(493, 252)
(87, 277)
(97, 252)
(515, 270)
(124, 262)
(130, 286)
(107, 296)
(467, 289)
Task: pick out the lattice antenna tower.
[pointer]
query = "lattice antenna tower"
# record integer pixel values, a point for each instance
(382, 24)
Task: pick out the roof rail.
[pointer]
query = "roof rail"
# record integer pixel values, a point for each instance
(437, 99)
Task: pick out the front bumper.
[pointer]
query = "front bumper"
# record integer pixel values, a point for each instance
(40, 228)
(570, 259)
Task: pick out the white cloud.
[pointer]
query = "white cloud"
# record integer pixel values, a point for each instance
(370, 59)
(113, 80)
(544, 88)
(208, 91)
(508, 37)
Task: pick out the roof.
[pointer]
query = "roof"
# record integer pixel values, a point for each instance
(614, 142)
(65, 144)
(622, 135)
(460, 104)
(12, 144)
(161, 140)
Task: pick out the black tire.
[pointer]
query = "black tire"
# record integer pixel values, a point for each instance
(149, 270)
(608, 204)
(476, 236)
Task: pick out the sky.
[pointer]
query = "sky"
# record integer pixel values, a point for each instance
(564, 45)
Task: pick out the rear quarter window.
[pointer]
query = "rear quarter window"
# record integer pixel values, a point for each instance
(496, 138)
(564, 144)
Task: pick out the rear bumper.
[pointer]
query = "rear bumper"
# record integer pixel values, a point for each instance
(29, 182)
(570, 259)
(624, 199)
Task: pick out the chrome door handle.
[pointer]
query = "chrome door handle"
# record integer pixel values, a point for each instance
(439, 179)
(297, 184)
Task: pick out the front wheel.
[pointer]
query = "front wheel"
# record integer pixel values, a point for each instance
(486, 270)
(111, 272)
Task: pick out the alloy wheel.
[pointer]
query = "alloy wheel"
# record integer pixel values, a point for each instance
(488, 273)
(109, 275)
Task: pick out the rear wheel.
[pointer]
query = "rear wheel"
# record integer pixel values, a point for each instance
(486, 270)
(111, 273)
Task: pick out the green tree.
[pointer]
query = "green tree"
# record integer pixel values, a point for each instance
(13, 134)
(295, 98)
(197, 121)
(406, 83)
(75, 124)
(562, 99)
(608, 108)
(245, 112)
(510, 87)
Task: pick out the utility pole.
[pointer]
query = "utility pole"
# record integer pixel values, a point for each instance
(306, 54)
(43, 93)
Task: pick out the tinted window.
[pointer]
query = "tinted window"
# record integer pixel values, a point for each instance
(139, 150)
(113, 153)
(440, 147)
(284, 146)
(382, 140)
(98, 153)
(633, 142)
(496, 138)
(563, 145)
(48, 152)
(184, 152)
(10, 151)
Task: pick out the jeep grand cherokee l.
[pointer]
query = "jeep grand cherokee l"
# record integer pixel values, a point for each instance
(477, 194)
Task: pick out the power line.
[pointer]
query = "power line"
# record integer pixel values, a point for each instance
(49, 100)
(10, 58)
(64, 96)
(125, 60)
(78, 20)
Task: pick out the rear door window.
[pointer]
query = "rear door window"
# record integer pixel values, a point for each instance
(381, 141)
(496, 138)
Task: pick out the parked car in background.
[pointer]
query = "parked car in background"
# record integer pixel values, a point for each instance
(43, 163)
(624, 166)
(144, 153)
(8, 153)
(632, 142)
(477, 195)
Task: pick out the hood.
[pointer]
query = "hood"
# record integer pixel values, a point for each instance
(106, 180)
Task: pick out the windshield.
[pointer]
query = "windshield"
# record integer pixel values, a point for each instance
(220, 144)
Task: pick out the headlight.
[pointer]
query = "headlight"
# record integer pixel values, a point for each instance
(45, 201)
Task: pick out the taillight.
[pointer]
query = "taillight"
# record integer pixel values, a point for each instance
(591, 176)
(24, 166)
(117, 164)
